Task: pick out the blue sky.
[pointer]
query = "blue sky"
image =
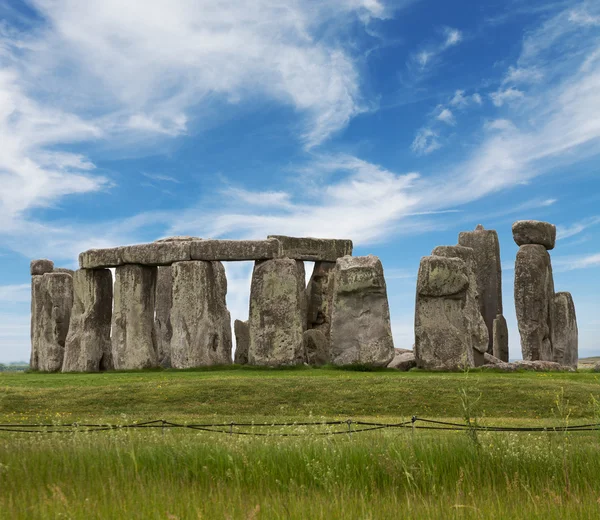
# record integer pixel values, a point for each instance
(396, 124)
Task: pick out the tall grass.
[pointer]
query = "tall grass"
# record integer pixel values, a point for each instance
(182, 474)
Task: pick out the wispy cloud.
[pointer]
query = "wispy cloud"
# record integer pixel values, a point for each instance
(563, 232)
(15, 293)
(446, 116)
(161, 177)
(572, 263)
(422, 61)
(425, 142)
(503, 96)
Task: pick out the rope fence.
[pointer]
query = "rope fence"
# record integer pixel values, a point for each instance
(344, 427)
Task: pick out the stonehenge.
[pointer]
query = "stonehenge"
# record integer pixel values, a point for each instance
(167, 306)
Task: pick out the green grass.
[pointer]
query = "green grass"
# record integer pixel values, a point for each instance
(180, 474)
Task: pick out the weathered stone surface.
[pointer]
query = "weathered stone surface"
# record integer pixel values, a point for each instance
(37, 308)
(564, 330)
(234, 250)
(157, 253)
(101, 258)
(492, 360)
(320, 296)
(316, 347)
(596, 367)
(500, 338)
(162, 306)
(534, 295)
(242, 342)
(52, 318)
(63, 270)
(474, 321)
(163, 301)
(534, 232)
(439, 276)
(277, 313)
(40, 267)
(403, 362)
(540, 366)
(360, 319)
(442, 338)
(87, 347)
(488, 274)
(133, 337)
(199, 317)
(313, 249)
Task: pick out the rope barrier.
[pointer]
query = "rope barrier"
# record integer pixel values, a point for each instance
(233, 428)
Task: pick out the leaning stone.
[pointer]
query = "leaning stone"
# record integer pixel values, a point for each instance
(87, 347)
(53, 320)
(242, 341)
(199, 317)
(534, 295)
(474, 321)
(500, 338)
(101, 258)
(403, 362)
(157, 253)
(534, 232)
(277, 313)
(39, 267)
(564, 330)
(488, 274)
(360, 321)
(439, 276)
(313, 249)
(133, 336)
(442, 337)
(316, 348)
(234, 250)
(492, 360)
(319, 296)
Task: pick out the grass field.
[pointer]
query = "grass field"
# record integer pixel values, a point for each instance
(381, 474)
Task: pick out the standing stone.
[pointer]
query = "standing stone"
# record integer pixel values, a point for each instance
(360, 320)
(442, 338)
(37, 307)
(474, 322)
(319, 296)
(500, 337)
(162, 318)
(199, 316)
(133, 338)
(564, 330)
(51, 318)
(534, 296)
(316, 348)
(162, 305)
(488, 274)
(88, 348)
(277, 313)
(242, 342)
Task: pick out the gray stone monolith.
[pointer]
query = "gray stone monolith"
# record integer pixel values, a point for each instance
(534, 298)
(319, 293)
(316, 348)
(442, 338)
(242, 342)
(133, 340)
(488, 274)
(88, 347)
(564, 330)
(199, 317)
(360, 320)
(37, 307)
(162, 305)
(277, 313)
(51, 315)
(40, 267)
(474, 322)
(500, 338)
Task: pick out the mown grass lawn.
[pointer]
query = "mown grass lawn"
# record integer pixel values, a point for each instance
(179, 474)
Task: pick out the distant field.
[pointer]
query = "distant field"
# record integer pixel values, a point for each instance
(383, 474)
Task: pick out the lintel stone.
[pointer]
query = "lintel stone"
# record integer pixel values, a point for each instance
(234, 250)
(313, 249)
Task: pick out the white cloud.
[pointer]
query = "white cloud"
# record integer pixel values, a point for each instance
(500, 97)
(446, 116)
(523, 75)
(453, 36)
(425, 142)
(572, 263)
(563, 232)
(477, 98)
(15, 293)
(421, 61)
(500, 124)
